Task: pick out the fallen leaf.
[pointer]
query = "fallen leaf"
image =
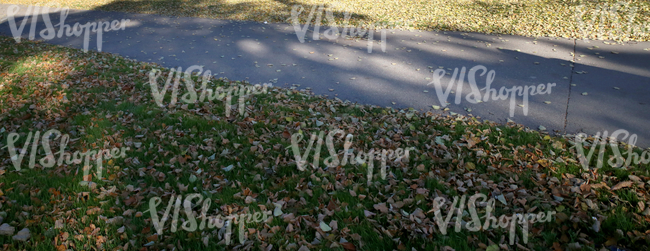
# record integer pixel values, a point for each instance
(623, 184)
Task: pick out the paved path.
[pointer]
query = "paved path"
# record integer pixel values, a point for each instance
(617, 85)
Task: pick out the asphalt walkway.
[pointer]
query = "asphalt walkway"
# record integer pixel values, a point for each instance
(607, 87)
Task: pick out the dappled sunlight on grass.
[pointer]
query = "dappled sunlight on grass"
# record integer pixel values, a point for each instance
(555, 18)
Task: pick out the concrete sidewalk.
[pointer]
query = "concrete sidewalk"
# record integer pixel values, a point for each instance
(607, 88)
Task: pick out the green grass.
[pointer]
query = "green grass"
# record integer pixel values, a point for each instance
(184, 149)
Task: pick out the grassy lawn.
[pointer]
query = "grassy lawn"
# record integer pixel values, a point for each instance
(246, 164)
(601, 19)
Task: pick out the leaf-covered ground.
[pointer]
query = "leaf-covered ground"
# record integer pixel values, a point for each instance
(245, 163)
(600, 19)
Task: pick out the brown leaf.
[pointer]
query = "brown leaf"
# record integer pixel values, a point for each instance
(635, 178)
(381, 207)
(286, 134)
(289, 217)
(93, 211)
(131, 201)
(599, 185)
(334, 225)
(153, 237)
(331, 206)
(348, 246)
(26, 116)
(623, 184)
